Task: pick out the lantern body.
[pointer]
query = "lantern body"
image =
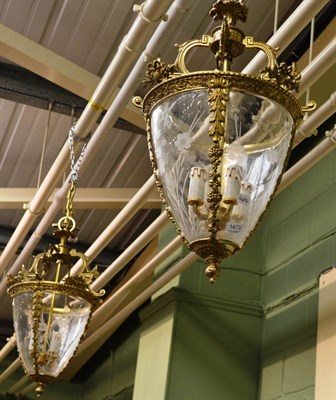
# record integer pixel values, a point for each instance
(51, 316)
(252, 137)
(48, 326)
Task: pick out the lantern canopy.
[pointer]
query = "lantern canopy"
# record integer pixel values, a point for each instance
(219, 140)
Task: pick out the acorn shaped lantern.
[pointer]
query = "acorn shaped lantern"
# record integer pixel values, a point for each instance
(52, 306)
(219, 140)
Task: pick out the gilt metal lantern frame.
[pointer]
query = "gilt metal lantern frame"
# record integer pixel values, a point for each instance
(274, 84)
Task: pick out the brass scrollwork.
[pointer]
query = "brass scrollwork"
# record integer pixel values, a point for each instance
(310, 106)
(267, 49)
(186, 47)
(137, 102)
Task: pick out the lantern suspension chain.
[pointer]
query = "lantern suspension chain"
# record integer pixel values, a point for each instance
(68, 222)
(73, 164)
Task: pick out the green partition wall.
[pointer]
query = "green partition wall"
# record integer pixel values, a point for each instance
(300, 243)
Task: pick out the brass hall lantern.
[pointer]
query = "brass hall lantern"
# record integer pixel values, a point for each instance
(219, 140)
(52, 305)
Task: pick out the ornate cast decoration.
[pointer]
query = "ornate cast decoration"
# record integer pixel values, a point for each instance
(235, 10)
(157, 71)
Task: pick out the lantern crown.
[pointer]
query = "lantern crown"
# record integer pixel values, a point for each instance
(226, 42)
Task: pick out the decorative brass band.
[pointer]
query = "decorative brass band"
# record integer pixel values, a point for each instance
(219, 248)
(213, 252)
(237, 81)
(42, 378)
(43, 286)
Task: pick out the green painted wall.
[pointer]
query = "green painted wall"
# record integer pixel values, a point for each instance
(112, 378)
(300, 242)
(215, 351)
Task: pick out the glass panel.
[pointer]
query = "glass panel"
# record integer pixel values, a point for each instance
(256, 142)
(62, 322)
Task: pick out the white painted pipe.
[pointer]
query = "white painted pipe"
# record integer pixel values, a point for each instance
(7, 348)
(319, 66)
(136, 38)
(134, 304)
(112, 303)
(315, 155)
(293, 25)
(18, 384)
(28, 389)
(308, 126)
(130, 209)
(130, 48)
(139, 243)
(12, 368)
(175, 14)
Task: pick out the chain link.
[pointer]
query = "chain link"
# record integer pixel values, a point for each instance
(75, 165)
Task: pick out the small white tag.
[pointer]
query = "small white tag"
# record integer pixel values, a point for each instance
(243, 199)
(234, 227)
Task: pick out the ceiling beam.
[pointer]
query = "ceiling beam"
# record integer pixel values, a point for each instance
(19, 85)
(51, 66)
(86, 198)
(103, 259)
